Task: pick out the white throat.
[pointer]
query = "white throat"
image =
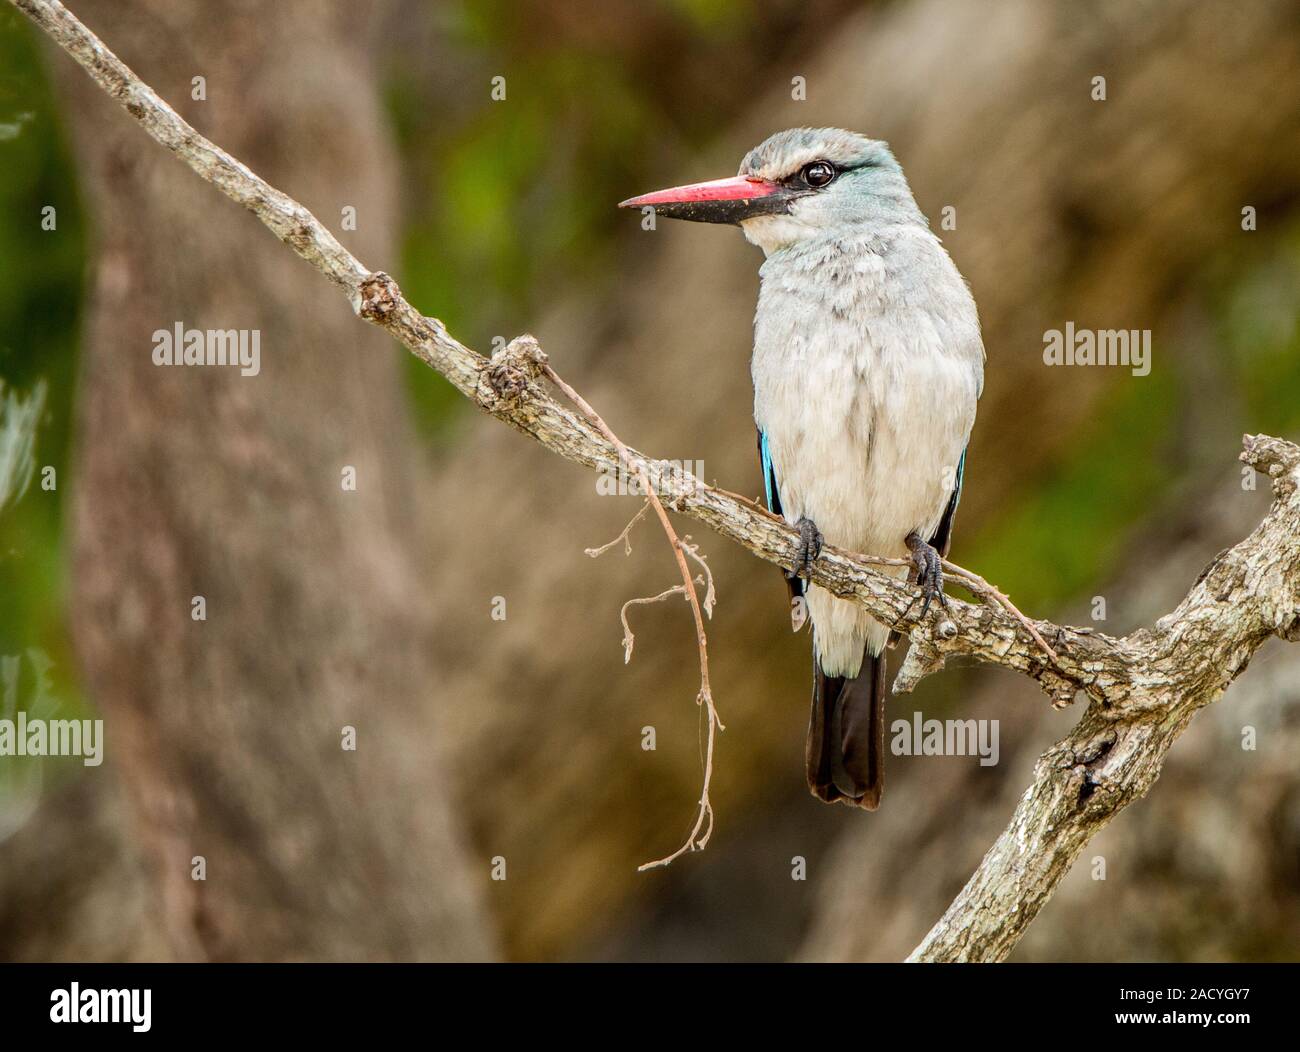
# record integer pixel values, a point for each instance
(771, 233)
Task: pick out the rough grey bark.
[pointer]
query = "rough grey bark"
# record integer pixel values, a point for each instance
(1143, 688)
(226, 733)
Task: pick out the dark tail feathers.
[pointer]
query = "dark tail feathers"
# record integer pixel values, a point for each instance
(846, 736)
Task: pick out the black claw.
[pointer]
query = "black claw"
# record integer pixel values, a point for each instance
(808, 548)
(927, 572)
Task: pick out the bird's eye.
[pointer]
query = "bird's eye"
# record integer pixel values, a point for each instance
(818, 174)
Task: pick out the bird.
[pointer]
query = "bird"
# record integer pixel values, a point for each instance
(867, 368)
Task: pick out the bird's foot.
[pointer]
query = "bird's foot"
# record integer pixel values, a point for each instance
(927, 571)
(807, 549)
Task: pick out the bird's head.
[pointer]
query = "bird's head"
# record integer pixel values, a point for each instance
(800, 185)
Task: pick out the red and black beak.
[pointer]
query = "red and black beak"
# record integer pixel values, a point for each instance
(717, 201)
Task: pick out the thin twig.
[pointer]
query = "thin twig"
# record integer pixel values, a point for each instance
(981, 587)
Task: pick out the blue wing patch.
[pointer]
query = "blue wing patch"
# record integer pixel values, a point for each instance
(769, 477)
(773, 494)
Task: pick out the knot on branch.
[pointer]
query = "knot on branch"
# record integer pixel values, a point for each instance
(1091, 787)
(512, 368)
(923, 658)
(377, 297)
(1274, 457)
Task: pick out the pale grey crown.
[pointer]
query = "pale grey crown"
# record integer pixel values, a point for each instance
(869, 189)
(783, 155)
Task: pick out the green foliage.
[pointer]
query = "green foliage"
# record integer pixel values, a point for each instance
(1070, 526)
(511, 202)
(1069, 529)
(40, 298)
(510, 206)
(1258, 320)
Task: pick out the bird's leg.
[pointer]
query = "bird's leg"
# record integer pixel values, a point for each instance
(807, 549)
(927, 571)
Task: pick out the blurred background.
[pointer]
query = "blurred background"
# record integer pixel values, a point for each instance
(126, 490)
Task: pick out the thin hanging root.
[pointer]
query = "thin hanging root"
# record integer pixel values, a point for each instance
(710, 594)
(628, 638)
(703, 827)
(625, 536)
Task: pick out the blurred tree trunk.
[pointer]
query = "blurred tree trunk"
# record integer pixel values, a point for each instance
(226, 733)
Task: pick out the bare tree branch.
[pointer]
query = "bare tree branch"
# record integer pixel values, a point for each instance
(1142, 688)
(1247, 594)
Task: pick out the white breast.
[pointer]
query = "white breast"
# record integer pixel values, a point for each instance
(867, 367)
